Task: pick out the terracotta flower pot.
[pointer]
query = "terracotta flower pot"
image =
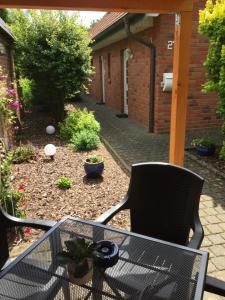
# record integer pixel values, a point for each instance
(80, 273)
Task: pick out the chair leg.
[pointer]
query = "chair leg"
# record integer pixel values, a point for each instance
(66, 290)
(215, 286)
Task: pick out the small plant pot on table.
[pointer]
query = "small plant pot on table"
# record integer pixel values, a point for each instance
(94, 166)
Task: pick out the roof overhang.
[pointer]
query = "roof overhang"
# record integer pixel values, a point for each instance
(5, 30)
(116, 31)
(141, 6)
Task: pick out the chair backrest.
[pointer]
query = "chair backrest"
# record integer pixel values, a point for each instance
(163, 201)
(4, 225)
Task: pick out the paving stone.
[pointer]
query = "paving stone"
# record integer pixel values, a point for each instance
(211, 211)
(209, 296)
(219, 262)
(218, 250)
(202, 213)
(212, 219)
(222, 225)
(206, 242)
(221, 217)
(209, 203)
(211, 267)
(214, 228)
(216, 239)
(219, 274)
(220, 209)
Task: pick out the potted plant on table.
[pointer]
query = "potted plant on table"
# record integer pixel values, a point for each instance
(203, 146)
(78, 258)
(94, 166)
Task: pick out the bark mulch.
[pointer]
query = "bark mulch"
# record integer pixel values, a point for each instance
(87, 198)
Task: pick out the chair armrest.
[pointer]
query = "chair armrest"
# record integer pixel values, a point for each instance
(198, 235)
(110, 213)
(215, 286)
(33, 223)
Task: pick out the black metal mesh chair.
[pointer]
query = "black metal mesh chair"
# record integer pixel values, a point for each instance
(16, 282)
(7, 221)
(163, 200)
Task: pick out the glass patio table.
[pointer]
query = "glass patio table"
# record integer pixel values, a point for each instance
(147, 268)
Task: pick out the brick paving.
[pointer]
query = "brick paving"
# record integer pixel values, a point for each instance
(131, 143)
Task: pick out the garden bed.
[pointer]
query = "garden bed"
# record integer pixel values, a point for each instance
(87, 198)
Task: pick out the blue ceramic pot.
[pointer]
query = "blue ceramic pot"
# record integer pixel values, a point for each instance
(205, 151)
(93, 170)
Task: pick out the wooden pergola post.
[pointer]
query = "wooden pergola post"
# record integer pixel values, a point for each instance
(183, 29)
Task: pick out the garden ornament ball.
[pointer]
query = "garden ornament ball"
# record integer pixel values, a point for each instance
(50, 129)
(50, 150)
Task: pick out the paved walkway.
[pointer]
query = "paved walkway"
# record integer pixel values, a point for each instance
(131, 143)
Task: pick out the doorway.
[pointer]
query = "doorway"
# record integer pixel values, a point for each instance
(126, 54)
(102, 78)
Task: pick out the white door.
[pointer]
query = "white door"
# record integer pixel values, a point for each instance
(125, 80)
(102, 78)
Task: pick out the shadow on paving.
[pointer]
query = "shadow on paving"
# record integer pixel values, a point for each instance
(133, 144)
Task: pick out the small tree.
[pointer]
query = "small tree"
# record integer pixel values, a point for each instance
(52, 49)
(212, 24)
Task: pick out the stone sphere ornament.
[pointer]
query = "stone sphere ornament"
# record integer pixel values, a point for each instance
(50, 129)
(50, 150)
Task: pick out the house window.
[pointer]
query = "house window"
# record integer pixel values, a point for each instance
(109, 66)
(2, 49)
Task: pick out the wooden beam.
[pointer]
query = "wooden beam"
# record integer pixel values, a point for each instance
(183, 31)
(163, 6)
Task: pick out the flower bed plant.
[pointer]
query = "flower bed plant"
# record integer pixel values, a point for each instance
(204, 146)
(222, 152)
(64, 183)
(81, 129)
(23, 153)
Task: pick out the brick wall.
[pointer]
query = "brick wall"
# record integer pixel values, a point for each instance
(6, 64)
(201, 107)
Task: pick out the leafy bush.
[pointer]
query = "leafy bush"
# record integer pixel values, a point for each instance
(27, 92)
(203, 142)
(5, 171)
(23, 153)
(53, 50)
(95, 159)
(85, 140)
(76, 121)
(211, 24)
(64, 182)
(222, 152)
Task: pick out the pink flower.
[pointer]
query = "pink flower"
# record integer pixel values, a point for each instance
(16, 128)
(27, 231)
(11, 92)
(14, 105)
(21, 187)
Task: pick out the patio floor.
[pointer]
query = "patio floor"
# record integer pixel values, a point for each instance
(130, 143)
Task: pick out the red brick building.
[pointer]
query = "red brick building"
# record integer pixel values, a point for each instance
(129, 78)
(6, 63)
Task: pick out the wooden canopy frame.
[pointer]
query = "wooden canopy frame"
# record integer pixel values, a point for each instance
(182, 39)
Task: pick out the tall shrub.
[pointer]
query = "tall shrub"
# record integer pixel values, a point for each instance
(53, 51)
(212, 25)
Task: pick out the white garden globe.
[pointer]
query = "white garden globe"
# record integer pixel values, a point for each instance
(50, 150)
(50, 129)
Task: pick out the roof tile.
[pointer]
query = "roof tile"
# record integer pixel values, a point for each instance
(106, 21)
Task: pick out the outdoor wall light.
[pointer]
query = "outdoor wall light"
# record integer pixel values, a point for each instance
(50, 150)
(50, 129)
